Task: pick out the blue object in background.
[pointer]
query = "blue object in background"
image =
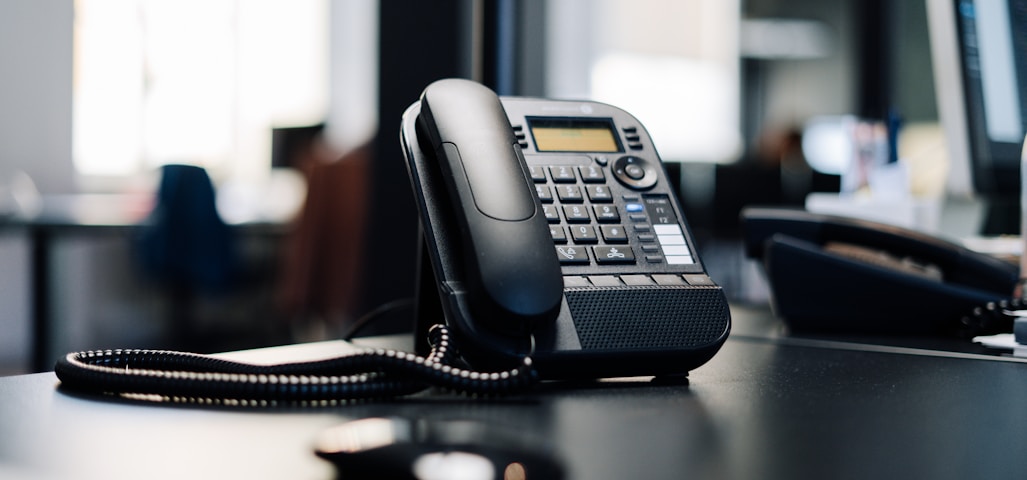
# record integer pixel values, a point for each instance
(185, 243)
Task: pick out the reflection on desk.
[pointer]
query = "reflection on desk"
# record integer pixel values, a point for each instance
(764, 407)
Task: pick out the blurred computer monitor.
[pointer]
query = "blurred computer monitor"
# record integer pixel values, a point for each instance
(979, 52)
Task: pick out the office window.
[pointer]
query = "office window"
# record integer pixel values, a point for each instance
(194, 81)
(671, 63)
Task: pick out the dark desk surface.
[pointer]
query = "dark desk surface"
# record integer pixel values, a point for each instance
(764, 407)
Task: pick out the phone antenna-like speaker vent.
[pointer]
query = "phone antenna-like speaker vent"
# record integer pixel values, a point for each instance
(652, 318)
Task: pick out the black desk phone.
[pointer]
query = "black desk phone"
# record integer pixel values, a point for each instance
(844, 275)
(554, 249)
(550, 228)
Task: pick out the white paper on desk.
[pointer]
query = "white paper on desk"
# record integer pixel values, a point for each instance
(1005, 341)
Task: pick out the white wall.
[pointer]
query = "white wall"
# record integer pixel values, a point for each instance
(35, 92)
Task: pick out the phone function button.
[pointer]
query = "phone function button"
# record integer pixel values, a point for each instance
(633, 138)
(610, 255)
(660, 210)
(648, 238)
(701, 280)
(634, 207)
(676, 250)
(572, 255)
(602, 160)
(669, 235)
(664, 279)
(634, 172)
(637, 217)
(605, 280)
(575, 281)
(642, 280)
(654, 258)
(680, 260)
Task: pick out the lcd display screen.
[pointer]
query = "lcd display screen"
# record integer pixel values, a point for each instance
(573, 135)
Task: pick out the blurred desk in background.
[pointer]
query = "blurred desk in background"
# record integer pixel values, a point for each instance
(117, 215)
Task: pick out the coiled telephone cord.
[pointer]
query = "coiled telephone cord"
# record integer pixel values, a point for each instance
(991, 318)
(371, 374)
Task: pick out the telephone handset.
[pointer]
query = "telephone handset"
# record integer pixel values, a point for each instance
(512, 283)
(836, 274)
(550, 228)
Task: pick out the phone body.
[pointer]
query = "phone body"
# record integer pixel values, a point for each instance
(837, 274)
(577, 220)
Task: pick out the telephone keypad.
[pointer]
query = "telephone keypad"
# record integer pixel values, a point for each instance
(587, 217)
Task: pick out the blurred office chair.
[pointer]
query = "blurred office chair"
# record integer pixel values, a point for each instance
(186, 247)
(323, 256)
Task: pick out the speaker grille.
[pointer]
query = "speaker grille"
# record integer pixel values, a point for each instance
(634, 318)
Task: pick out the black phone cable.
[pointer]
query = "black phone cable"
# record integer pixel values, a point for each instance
(370, 374)
(990, 318)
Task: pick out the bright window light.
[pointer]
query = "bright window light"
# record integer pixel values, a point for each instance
(689, 107)
(194, 81)
(671, 63)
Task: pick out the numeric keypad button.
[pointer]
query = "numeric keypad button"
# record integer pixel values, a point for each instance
(584, 234)
(552, 214)
(569, 194)
(592, 174)
(606, 213)
(576, 214)
(599, 193)
(538, 174)
(545, 194)
(562, 174)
